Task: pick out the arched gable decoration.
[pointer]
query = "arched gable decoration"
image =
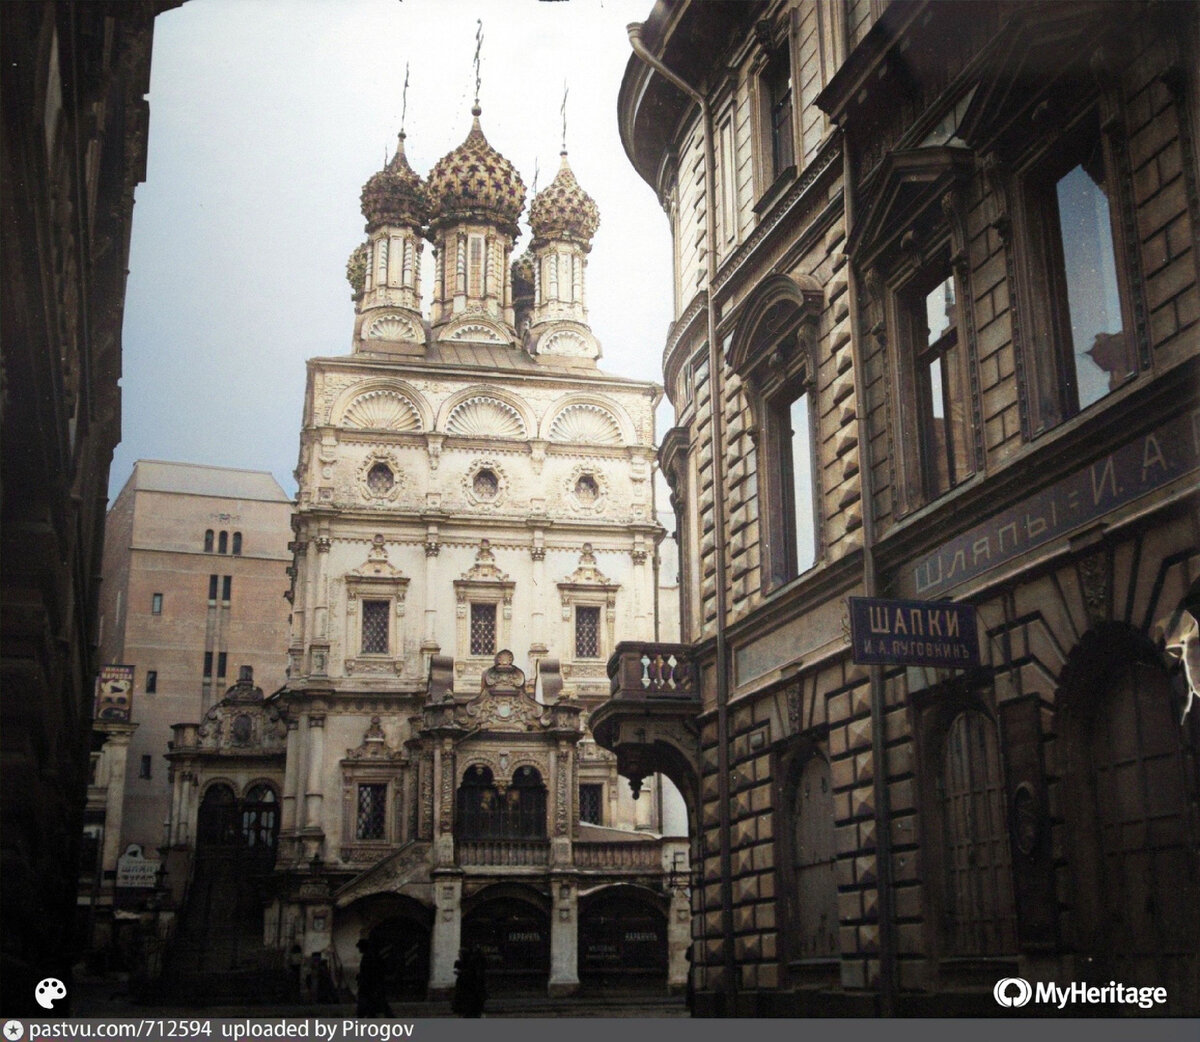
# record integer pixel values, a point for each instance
(586, 424)
(485, 417)
(382, 409)
(783, 316)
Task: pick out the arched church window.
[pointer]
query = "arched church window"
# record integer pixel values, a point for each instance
(260, 817)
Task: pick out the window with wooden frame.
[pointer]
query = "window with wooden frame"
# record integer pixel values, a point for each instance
(779, 133)
(1080, 345)
(773, 350)
(934, 375)
(787, 440)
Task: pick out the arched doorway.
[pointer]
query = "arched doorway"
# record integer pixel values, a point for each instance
(1131, 782)
(622, 940)
(403, 943)
(514, 935)
(236, 840)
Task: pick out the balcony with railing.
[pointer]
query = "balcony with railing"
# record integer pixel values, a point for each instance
(503, 853)
(649, 718)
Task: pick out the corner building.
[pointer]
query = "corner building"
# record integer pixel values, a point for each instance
(475, 526)
(936, 337)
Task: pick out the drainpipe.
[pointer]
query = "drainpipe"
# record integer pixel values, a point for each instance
(718, 465)
(883, 823)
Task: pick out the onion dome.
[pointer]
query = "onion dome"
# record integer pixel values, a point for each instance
(477, 181)
(395, 195)
(356, 270)
(564, 210)
(522, 272)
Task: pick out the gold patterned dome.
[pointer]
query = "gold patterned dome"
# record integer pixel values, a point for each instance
(395, 195)
(564, 210)
(522, 271)
(476, 181)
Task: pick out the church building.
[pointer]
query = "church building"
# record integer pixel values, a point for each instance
(475, 530)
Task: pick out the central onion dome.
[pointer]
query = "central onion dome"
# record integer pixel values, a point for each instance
(395, 195)
(563, 210)
(476, 181)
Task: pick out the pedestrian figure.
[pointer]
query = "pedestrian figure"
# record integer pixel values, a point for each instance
(372, 982)
(295, 963)
(470, 987)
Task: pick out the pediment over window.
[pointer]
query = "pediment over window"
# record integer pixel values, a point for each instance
(1045, 55)
(778, 328)
(906, 192)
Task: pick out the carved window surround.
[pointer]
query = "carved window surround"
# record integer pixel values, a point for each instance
(377, 580)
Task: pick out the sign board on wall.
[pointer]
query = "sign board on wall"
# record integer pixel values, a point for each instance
(913, 633)
(136, 871)
(114, 693)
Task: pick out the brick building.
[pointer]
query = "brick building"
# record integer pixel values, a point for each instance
(937, 333)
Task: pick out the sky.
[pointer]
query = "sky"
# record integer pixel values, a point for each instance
(266, 119)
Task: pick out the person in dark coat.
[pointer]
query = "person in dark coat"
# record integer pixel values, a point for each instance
(470, 986)
(372, 982)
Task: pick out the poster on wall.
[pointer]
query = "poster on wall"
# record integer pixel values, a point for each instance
(114, 693)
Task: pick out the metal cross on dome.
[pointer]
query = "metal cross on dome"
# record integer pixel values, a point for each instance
(404, 99)
(564, 117)
(478, 46)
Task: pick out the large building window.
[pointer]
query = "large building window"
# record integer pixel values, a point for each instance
(777, 88)
(1081, 344)
(212, 588)
(237, 543)
(789, 459)
(208, 541)
(774, 351)
(485, 813)
(223, 543)
(483, 629)
(375, 627)
(939, 394)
